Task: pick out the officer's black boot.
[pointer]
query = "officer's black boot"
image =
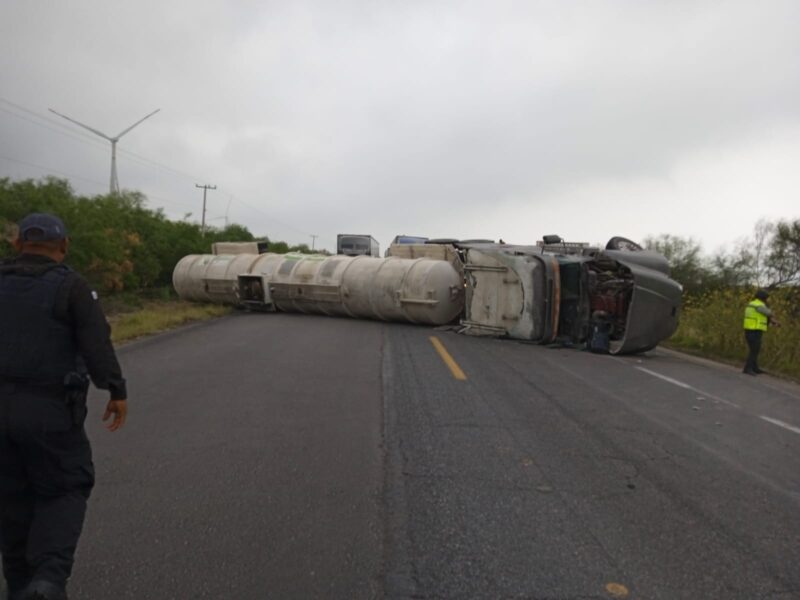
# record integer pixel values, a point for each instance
(10, 594)
(40, 589)
(14, 588)
(13, 591)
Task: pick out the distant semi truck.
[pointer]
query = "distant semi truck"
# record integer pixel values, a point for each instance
(350, 244)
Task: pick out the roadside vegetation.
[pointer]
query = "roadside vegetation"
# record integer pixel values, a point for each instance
(118, 244)
(711, 326)
(717, 288)
(126, 251)
(160, 315)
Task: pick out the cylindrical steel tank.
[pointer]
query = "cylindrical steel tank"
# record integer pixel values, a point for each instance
(392, 289)
(211, 278)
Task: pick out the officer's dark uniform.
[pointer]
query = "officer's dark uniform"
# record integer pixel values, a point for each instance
(50, 324)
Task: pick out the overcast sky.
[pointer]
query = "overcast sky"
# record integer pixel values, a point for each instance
(468, 119)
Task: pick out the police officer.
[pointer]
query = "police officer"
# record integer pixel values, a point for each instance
(52, 334)
(757, 317)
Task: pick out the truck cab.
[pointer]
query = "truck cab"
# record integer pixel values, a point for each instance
(561, 293)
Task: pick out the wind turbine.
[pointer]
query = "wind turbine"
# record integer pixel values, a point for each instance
(114, 186)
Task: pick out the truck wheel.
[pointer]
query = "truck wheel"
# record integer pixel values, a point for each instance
(621, 243)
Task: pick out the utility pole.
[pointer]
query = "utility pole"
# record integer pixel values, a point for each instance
(230, 199)
(313, 239)
(205, 188)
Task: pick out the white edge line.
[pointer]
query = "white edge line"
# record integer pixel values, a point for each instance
(791, 428)
(665, 378)
(687, 386)
(781, 424)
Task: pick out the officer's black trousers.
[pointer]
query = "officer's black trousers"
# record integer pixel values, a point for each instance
(46, 476)
(753, 339)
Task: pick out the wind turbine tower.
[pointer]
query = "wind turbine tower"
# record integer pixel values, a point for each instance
(114, 186)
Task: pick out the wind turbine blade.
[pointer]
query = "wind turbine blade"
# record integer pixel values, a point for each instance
(100, 133)
(137, 122)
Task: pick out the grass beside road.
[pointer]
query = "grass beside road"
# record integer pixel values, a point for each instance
(711, 327)
(132, 318)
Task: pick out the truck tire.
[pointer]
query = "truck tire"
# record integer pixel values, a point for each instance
(621, 243)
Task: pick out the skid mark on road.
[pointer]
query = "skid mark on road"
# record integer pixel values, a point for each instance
(448, 360)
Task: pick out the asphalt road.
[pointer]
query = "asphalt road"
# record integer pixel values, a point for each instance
(292, 456)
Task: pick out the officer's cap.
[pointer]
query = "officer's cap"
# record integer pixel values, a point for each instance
(42, 227)
(762, 295)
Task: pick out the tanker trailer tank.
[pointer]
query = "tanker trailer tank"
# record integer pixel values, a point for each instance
(210, 277)
(387, 289)
(420, 290)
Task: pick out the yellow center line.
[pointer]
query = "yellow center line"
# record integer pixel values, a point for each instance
(448, 360)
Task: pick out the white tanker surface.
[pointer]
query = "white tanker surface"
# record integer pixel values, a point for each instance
(422, 290)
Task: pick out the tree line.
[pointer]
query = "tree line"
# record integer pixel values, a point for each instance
(769, 258)
(718, 287)
(117, 243)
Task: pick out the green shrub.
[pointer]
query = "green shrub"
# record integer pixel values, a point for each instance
(118, 244)
(711, 325)
(153, 317)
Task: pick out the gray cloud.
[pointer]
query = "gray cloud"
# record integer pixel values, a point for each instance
(418, 117)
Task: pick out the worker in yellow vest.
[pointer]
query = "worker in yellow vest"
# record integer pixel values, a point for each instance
(757, 318)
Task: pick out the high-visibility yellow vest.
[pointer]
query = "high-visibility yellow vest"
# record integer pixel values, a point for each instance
(754, 319)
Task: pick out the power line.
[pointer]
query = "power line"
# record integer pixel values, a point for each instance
(286, 225)
(114, 182)
(78, 136)
(50, 170)
(92, 141)
(53, 125)
(53, 171)
(81, 137)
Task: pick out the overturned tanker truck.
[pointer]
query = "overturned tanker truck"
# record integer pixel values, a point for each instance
(553, 292)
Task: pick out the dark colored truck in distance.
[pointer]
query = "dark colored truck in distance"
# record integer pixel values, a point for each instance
(350, 244)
